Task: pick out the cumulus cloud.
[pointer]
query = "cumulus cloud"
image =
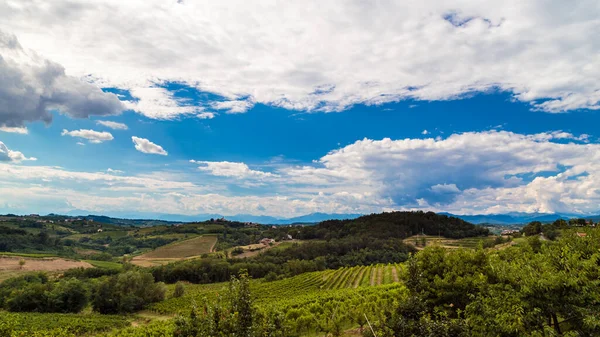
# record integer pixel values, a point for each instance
(113, 125)
(456, 172)
(32, 86)
(7, 155)
(344, 52)
(425, 132)
(146, 146)
(230, 169)
(92, 136)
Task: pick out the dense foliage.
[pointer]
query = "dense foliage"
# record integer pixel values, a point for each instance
(537, 289)
(126, 292)
(393, 225)
(36, 293)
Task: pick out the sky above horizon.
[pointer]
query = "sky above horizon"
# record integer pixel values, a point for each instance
(237, 107)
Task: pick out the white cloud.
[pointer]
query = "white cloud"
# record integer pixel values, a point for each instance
(7, 155)
(146, 146)
(344, 52)
(91, 135)
(474, 172)
(113, 125)
(233, 107)
(206, 115)
(469, 172)
(21, 130)
(32, 86)
(230, 169)
(159, 103)
(109, 170)
(425, 132)
(80, 144)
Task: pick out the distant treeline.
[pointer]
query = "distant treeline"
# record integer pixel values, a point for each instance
(367, 240)
(394, 225)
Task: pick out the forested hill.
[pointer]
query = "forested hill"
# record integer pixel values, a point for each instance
(395, 225)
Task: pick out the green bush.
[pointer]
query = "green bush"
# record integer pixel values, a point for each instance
(179, 290)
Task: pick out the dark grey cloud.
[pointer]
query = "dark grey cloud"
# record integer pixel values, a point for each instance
(31, 87)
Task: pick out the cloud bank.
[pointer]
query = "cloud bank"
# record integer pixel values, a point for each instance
(343, 53)
(466, 173)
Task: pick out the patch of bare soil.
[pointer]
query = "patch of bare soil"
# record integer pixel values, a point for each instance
(10, 263)
(373, 275)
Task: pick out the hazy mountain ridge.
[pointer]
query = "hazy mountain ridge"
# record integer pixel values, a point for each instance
(146, 218)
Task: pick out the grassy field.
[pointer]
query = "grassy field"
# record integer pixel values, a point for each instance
(418, 240)
(177, 251)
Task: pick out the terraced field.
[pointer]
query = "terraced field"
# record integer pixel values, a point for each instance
(177, 251)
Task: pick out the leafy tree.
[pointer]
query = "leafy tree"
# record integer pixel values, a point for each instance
(533, 228)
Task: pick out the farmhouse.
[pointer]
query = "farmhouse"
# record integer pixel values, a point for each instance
(509, 231)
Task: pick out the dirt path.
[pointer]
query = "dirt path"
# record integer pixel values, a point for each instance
(359, 277)
(380, 275)
(395, 274)
(212, 248)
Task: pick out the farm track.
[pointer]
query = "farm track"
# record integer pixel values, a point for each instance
(359, 277)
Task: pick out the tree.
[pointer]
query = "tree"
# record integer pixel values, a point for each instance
(127, 292)
(21, 263)
(533, 228)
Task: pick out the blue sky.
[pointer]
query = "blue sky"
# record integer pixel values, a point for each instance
(466, 108)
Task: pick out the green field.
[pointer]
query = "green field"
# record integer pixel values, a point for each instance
(417, 241)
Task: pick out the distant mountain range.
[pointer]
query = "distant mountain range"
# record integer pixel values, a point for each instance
(139, 218)
(515, 218)
(263, 219)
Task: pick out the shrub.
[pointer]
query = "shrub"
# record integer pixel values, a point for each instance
(179, 290)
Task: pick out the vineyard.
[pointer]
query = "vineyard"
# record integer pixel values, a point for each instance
(283, 292)
(37, 324)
